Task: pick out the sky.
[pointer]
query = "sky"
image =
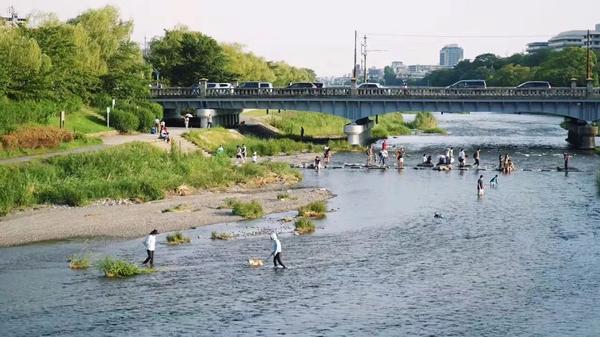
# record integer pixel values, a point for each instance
(319, 34)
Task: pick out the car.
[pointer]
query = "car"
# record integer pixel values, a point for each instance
(302, 85)
(255, 85)
(534, 85)
(318, 84)
(219, 85)
(468, 84)
(371, 86)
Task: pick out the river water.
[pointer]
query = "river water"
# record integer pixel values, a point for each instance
(523, 260)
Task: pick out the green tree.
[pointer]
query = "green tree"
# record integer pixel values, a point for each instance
(183, 57)
(245, 65)
(510, 75)
(569, 63)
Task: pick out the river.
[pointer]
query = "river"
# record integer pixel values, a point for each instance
(523, 260)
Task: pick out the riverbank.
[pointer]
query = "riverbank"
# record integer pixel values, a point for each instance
(128, 220)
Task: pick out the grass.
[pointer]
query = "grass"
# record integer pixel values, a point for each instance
(79, 141)
(316, 209)
(79, 261)
(86, 120)
(132, 171)
(304, 226)
(177, 238)
(315, 124)
(221, 236)
(248, 210)
(283, 196)
(115, 268)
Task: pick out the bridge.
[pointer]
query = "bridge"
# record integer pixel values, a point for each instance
(581, 105)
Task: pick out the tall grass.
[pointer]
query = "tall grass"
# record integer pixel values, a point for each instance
(304, 226)
(112, 267)
(316, 209)
(81, 261)
(315, 124)
(247, 210)
(177, 238)
(424, 121)
(133, 171)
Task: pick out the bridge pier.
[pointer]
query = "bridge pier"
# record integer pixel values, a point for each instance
(359, 132)
(582, 136)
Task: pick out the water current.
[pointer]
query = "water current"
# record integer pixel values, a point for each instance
(523, 260)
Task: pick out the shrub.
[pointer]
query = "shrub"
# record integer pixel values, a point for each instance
(304, 226)
(248, 210)
(316, 209)
(424, 121)
(124, 121)
(79, 261)
(112, 267)
(177, 238)
(283, 196)
(34, 137)
(221, 236)
(379, 132)
(145, 120)
(16, 113)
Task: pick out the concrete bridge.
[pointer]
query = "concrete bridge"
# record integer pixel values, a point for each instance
(580, 105)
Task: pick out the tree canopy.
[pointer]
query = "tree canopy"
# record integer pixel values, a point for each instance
(556, 67)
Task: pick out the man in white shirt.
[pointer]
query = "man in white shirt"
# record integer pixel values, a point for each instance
(276, 253)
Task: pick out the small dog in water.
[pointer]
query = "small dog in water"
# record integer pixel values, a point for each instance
(438, 215)
(255, 262)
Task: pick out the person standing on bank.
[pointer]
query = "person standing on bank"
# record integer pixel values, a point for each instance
(150, 244)
(276, 252)
(302, 133)
(186, 121)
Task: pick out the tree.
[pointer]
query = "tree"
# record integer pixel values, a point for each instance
(510, 75)
(184, 57)
(389, 76)
(245, 65)
(569, 63)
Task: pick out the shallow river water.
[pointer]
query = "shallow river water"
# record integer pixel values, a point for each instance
(523, 260)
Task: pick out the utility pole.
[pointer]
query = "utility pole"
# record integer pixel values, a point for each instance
(365, 59)
(354, 65)
(588, 69)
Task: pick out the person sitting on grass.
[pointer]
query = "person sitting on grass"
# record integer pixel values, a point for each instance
(164, 134)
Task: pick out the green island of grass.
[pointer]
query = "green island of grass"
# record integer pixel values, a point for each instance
(177, 238)
(115, 268)
(304, 226)
(316, 209)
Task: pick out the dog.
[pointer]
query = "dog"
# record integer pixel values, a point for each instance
(255, 262)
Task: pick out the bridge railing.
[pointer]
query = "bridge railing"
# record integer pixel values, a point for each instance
(414, 92)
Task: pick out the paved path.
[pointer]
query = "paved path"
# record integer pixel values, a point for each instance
(113, 140)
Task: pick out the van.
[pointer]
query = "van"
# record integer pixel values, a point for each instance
(255, 85)
(468, 84)
(302, 85)
(219, 85)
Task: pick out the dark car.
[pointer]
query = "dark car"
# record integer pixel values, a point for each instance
(534, 85)
(302, 85)
(468, 84)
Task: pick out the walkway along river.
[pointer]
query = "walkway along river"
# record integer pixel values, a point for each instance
(524, 260)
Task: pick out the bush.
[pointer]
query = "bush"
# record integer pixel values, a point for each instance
(145, 120)
(379, 132)
(79, 261)
(248, 210)
(124, 121)
(221, 236)
(316, 209)
(177, 238)
(16, 113)
(424, 121)
(304, 226)
(112, 267)
(34, 137)
(283, 195)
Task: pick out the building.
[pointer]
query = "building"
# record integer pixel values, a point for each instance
(419, 71)
(571, 38)
(450, 55)
(375, 74)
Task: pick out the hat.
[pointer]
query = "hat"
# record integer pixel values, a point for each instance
(154, 232)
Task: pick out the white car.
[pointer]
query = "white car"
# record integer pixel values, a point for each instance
(371, 86)
(219, 85)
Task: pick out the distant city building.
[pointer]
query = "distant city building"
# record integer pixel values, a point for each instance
(450, 55)
(571, 38)
(419, 71)
(400, 69)
(375, 74)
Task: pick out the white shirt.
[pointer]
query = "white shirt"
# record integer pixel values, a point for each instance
(150, 242)
(461, 154)
(276, 246)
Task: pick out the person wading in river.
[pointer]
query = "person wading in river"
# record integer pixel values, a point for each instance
(476, 157)
(480, 185)
(150, 244)
(566, 158)
(276, 252)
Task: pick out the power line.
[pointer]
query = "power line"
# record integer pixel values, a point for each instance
(459, 36)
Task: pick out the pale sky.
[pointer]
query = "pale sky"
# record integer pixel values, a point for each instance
(319, 34)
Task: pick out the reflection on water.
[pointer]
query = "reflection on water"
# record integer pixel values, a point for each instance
(522, 260)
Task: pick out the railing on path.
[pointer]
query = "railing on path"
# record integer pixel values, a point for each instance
(390, 93)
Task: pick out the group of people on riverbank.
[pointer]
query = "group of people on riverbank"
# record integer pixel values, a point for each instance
(241, 154)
